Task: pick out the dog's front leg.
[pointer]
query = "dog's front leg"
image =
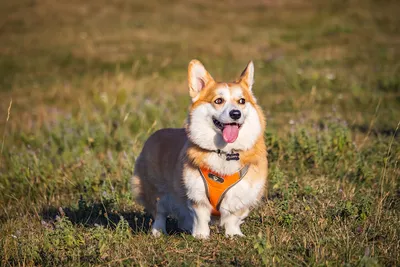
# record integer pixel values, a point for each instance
(202, 216)
(232, 221)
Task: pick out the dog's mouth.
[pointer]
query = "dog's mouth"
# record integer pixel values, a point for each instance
(230, 131)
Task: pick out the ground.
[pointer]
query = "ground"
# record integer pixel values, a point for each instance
(84, 83)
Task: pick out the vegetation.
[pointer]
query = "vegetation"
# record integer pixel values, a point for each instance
(83, 84)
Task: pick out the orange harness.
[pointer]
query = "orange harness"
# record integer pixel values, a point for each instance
(217, 185)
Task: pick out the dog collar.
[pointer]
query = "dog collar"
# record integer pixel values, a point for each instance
(229, 156)
(218, 185)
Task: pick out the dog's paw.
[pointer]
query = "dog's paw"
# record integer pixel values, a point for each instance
(201, 236)
(201, 232)
(235, 235)
(157, 232)
(234, 232)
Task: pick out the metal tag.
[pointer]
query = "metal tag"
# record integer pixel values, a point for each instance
(232, 156)
(216, 178)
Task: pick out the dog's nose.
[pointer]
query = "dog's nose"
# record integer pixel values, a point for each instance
(235, 114)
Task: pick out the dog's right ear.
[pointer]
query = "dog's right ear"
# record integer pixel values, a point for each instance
(198, 78)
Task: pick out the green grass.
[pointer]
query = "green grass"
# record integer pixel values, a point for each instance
(90, 81)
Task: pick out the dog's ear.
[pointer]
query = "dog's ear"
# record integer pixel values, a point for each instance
(247, 76)
(198, 78)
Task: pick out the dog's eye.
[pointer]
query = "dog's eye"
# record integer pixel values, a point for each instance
(218, 101)
(242, 101)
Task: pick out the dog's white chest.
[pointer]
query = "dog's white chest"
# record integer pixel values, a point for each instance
(196, 190)
(243, 195)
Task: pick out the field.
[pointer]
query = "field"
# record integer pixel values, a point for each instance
(84, 83)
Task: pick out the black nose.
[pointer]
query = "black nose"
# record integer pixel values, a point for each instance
(235, 114)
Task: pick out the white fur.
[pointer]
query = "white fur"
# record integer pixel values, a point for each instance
(237, 93)
(242, 195)
(223, 116)
(232, 223)
(223, 91)
(235, 205)
(203, 132)
(201, 228)
(195, 188)
(219, 164)
(196, 192)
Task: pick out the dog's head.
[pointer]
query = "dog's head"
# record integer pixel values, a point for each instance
(223, 115)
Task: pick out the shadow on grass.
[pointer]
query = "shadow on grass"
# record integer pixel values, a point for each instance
(102, 214)
(381, 131)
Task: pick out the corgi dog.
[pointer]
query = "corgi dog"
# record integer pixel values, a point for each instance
(215, 167)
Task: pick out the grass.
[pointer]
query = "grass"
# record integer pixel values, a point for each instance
(89, 82)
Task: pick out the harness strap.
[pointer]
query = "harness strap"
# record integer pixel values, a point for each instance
(218, 185)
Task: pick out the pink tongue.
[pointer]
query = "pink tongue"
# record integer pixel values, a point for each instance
(230, 133)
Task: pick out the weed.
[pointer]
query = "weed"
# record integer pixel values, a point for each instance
(262, 247)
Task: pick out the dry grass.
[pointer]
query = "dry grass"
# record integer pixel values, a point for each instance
(91, 80)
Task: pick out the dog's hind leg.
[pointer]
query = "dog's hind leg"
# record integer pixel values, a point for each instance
(186, 218)
(160, 217)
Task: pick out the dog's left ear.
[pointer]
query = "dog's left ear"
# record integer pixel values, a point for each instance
(247, 76)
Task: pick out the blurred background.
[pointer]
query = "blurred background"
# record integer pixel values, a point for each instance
(84, 83)
(312, 57)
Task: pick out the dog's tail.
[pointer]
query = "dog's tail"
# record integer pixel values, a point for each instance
(142, 195)
(143, 191)
(136, 187)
